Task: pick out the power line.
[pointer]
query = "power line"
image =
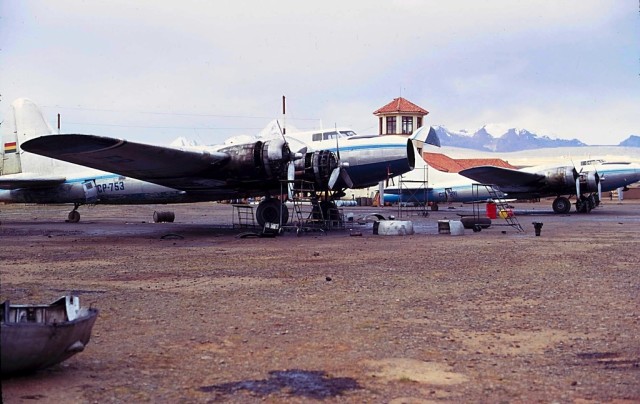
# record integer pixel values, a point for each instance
(173, 113)
(159, 127)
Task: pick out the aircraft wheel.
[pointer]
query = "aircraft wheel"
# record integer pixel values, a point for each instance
(73, 217)
(561, 205)
(269, 212)
(434, 207)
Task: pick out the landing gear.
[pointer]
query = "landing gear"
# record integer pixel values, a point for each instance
(74, 215)
(583, 205)
(561, 205)
(327, 212)
(270, 211)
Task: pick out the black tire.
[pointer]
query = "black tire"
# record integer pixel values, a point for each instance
(269, 212)
(73, 217)
(561, 205)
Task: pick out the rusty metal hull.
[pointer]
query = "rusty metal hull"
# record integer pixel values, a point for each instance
(29, 344)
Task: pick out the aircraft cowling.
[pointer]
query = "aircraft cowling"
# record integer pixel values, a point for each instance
(316, 167)
(561, 178)
(259, 161)
(589, 182)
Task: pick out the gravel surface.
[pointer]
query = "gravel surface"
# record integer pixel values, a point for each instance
(201, 315)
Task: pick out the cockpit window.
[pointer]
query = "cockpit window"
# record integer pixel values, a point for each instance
(316, 137)
(329, 135)
(590, 162)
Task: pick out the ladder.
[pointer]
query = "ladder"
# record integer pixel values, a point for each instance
(414, 197)
(308, 214)
(503, 209)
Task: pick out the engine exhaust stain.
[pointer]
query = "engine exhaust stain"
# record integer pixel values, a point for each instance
(294, 382)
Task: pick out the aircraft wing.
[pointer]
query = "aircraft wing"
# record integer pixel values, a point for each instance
(24, 181)
(505, 178)
(180, 169)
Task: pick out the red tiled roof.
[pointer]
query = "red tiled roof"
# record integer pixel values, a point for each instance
(400, 105)
(447, 164)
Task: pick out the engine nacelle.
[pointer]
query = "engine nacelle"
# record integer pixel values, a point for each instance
(259, 161)
(589, 182)
(561, 177)
(316, 167)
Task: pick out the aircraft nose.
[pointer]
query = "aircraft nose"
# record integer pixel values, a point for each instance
(411, 155)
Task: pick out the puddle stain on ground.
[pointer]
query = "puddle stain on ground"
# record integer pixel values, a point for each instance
(294, 382)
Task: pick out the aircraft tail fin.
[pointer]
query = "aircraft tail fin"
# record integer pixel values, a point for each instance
(25, 121)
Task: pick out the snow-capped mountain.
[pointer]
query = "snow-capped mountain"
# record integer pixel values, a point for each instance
(632, 141)
(513, 139)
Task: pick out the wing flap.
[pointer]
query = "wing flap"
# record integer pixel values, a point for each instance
(158, 164)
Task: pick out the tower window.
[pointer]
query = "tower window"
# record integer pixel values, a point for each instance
(391, 125)
(407, 124)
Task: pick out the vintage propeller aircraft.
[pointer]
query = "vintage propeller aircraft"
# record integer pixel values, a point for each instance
(115, 171)
(588, 181)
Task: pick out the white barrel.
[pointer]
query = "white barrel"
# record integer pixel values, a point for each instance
(395, 227)
(456, 228)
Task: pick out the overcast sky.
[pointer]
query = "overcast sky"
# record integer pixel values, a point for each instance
(154, 70)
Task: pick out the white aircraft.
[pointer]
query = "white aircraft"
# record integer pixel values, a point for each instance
(589, 180)
(29, 178)
(586, 182)
(158, 174)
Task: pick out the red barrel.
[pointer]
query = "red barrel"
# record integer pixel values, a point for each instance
(492, 211)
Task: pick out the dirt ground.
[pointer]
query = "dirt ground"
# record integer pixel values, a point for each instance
(201, 315)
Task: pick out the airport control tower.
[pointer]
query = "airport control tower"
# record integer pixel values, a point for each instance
(400, 116)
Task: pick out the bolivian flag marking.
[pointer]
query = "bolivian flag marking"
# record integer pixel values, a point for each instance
(10, 147)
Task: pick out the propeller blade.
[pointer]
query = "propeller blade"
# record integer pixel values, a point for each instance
(345, 177)
(337, 145)
(335, 174)
(578, 187)
(599, 182)
(291, 176)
